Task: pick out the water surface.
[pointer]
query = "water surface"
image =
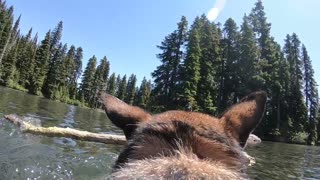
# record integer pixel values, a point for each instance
(25, 156)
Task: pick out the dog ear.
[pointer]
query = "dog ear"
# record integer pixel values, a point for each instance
(241, 119)
(123, 115)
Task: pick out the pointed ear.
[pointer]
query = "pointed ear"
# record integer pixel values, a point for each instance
(123, 115)
(241, 119)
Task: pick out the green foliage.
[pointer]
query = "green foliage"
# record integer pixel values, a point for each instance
(112, 85)
(12, 84)
(41, 66)
(52, 79)
(121, 93)
(297, 110)
(131, 89)
(143, 94)
(99, 81)
(223, 65)
(311, 95)
(8, 65)
(166, 75)
(190, 70)
(209, 64)
(229, 72)
(5, 30)
(86, 86)
(299, 138)
(275, 132)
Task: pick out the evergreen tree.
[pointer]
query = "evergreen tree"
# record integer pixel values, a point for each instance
(122, 88)
(5, 31)
(25, 61)
(131, 89)
(280, 100)
(53, 80)
(311, 95)
(296, 110)
(8, 65)
(249, 79)
(76, 73)
(118, 82)
(112, 85)
(65, 77)
(209, 65)
(78, 61)
(41, 65)
(55, 38)
(57, 55)
(166, 75)
(190, 71)
(229, 76)
(11, 44)
(268, 64)
(86, 86)
(100, 80)
(143, 95)
(10, 55)
(102, 73)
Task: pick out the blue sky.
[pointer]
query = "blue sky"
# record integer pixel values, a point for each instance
(127, 32)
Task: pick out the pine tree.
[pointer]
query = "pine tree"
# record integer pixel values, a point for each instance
(166, 75)
(57, 54)
(143, 95)
(100, 80)
(131, 89)
(229, 76)
(78, 61)
(5, 31)
(102, 73)
(209, 65)
(76, 73)
(280, 100)
(311, 95)
(68, 65)
(190, 70)
(121, 94)
(118, 82)
(249, 79)
(8, 65)
(25, 61)
(55, 38)
(41, 65)
(86, 86)
(112, 85)
(10, 55)
(67, 70)
(53, 80)
(297, 110)
(11, 46)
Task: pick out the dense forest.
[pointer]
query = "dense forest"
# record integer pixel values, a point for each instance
(205, 67)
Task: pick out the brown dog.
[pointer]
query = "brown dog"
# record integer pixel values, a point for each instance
(184, 145)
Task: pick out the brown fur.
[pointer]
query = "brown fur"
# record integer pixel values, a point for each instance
(176, 138)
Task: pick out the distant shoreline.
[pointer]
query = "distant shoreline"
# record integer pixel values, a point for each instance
(270, 139)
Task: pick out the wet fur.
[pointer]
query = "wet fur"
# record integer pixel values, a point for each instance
(184, 145)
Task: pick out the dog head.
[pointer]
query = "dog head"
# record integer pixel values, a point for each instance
(209, 139)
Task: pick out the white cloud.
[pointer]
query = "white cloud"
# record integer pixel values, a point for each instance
(215, 11)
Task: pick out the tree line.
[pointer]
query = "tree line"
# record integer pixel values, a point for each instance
(205, 67)
(51, 69)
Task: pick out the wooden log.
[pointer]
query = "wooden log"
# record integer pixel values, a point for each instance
(66, 132)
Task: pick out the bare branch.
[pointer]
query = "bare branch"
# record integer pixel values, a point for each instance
(67, 132)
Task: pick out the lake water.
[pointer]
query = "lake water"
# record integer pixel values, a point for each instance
(26, 156)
